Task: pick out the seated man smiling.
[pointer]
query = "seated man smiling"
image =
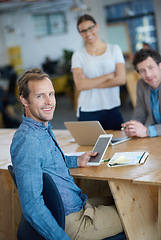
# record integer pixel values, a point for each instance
(34, 151)
(146, 120)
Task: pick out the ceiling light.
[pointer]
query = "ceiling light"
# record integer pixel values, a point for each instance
(78, 6)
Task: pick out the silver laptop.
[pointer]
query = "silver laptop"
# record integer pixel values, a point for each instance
(85, 133)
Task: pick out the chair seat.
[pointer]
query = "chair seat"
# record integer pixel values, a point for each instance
(119, 236)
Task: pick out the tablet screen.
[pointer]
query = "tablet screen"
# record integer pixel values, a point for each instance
(100, 147)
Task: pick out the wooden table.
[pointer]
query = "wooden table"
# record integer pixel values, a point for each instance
(136, 189)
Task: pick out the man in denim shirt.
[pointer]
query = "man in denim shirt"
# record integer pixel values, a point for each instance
(146, 119)
(34, 150)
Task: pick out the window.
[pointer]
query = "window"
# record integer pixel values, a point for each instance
(140, 18)
(49, 24)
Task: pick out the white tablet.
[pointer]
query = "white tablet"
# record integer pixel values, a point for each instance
(100, 147)
(118, 140)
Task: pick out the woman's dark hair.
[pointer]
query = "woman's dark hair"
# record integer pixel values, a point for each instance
(143, 54)
(84, 18)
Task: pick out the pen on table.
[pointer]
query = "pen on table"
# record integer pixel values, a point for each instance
(106, 160)
(123, 128)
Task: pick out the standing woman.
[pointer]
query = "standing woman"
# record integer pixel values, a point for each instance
(98, 71)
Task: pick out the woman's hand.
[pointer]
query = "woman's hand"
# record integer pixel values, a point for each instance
(84, 83)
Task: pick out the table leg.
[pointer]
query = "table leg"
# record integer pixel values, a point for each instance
(159, 213)
(137, 209)
(10, 211)
(6, 206)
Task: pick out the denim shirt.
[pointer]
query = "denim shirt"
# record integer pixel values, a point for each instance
(155, 106)
(34, 151)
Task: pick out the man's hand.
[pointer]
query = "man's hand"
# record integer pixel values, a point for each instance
(83, 159)
(134, 128)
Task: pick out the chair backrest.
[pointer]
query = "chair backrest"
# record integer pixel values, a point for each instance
(10, 169)
(53, 202)
(119, 236)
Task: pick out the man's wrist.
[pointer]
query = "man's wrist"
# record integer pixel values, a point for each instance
(152, 131)
(147, 132)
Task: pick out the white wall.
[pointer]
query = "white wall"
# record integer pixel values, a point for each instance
(35, 50)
